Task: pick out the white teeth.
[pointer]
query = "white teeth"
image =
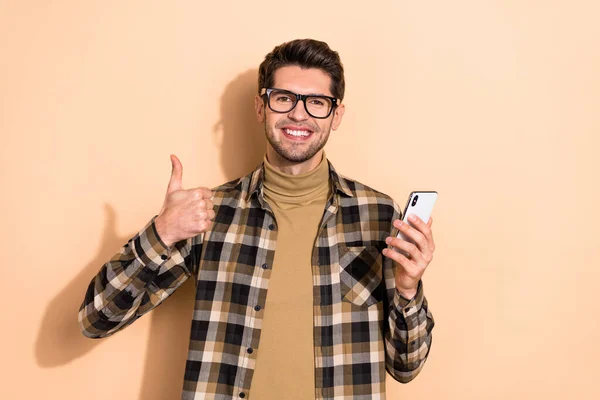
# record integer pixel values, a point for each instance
(297, 133)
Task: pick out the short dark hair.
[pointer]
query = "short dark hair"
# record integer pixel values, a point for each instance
(305, 53)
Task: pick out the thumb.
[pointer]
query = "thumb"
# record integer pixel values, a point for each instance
(175, 182)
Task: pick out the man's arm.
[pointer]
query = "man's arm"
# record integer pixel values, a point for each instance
(409, 321)
(143, 273)
(154, 263)
(408, 333)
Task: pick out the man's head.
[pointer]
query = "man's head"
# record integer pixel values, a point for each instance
(297, 127)
(304, 53)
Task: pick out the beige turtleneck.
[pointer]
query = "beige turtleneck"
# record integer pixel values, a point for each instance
(285, 359)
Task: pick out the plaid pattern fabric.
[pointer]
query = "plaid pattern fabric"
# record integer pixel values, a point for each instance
(362, 326)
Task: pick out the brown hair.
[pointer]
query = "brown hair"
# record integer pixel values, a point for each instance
(305, 53)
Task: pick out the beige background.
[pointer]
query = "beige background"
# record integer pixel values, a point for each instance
(494, 104)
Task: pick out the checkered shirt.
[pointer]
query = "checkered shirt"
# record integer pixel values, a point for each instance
(362, 326)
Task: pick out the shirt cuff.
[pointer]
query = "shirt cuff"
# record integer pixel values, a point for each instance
(149, 248)
(408, 307)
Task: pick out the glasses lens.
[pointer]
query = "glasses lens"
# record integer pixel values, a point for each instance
(282, 101)
(318, 106)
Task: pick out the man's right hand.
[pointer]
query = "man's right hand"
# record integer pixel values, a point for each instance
(185, 212)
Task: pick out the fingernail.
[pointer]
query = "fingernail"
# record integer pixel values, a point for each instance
(385, 251)
(412, 217)
(399, 224)
(388, 240)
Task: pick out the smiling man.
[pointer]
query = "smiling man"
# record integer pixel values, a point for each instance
(300, 293)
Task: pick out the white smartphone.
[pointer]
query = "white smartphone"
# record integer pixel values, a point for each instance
(421, 204)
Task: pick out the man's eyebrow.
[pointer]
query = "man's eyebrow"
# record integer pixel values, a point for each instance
(308, 94)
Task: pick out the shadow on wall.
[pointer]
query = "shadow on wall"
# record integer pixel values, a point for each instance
(59, 339)
(242, 142)
(238, 133)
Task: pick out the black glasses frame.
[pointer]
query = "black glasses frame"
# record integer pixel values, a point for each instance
(266, 93)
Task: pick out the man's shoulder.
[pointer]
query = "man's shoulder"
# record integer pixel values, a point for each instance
(231, 186)
(232, 190)
(365, 193)
(361, 203)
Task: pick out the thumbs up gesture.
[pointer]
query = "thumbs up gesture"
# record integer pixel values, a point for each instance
(185, 212)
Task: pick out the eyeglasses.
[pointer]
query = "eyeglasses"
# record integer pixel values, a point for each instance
(283, 101)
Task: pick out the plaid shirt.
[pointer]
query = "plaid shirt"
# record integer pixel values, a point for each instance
(361, 324)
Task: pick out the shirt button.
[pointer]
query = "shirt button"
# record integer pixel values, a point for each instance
(242, 395)
(265, 266)
(256, 308)
(272, 227)
(164, 257)
(249, 350)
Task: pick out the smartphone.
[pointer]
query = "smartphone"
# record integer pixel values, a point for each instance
(420, 204)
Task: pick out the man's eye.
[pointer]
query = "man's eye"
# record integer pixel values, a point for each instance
(317, 102)
(283, 99)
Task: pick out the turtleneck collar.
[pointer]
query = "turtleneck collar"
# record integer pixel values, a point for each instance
(296, 188)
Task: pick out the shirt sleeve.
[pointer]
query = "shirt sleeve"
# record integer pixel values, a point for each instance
(139, 277)
(408, 339)
(409, 326)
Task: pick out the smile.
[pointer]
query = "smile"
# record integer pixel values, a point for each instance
(297, 133)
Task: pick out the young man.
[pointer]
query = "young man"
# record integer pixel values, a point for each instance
(297, 294)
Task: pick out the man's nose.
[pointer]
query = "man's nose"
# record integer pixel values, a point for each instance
(299, 112)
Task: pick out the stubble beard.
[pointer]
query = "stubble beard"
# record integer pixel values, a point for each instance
(293, 153)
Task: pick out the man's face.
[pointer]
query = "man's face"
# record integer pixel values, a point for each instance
(296, 137)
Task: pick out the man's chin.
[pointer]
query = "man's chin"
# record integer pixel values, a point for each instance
(296, 157)
(295, 153)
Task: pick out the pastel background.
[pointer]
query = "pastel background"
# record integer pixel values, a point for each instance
(494, 104)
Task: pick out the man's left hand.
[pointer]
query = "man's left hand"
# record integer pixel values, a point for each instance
(410, 270)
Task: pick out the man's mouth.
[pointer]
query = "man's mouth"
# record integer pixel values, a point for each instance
(296, 133)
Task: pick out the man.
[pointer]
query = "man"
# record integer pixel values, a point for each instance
(342, 305)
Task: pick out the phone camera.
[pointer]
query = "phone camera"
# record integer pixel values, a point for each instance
(414, 202)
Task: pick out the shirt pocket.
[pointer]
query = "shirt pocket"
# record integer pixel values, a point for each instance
(360, 275)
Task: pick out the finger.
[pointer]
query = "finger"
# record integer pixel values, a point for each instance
(175, 183)
(208, 194)
(408, 265)
(409, 248)
(208, 204)
(203, 219)
(202, 193)
(414, 234)
(211, 215)
(203, 206)
(205, 215)
(204, 225)
(424, 228)
(431, 243)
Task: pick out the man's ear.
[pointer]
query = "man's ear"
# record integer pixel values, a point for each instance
(337, 116)
(259, 107)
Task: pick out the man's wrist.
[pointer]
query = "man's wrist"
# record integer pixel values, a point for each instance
(162, 236)
(408, 294)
